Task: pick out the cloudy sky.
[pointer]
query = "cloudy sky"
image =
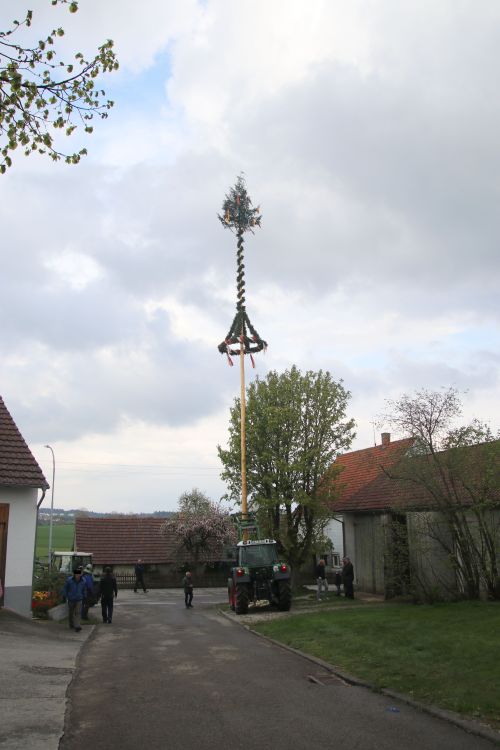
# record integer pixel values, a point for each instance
(368, 133)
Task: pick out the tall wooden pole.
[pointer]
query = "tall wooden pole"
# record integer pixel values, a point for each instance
(240, 216)
(244, 507)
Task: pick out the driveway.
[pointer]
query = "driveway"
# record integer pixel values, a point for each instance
(163, 676)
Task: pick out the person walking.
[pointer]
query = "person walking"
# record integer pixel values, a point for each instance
(187, 583)
(89, 600)
(109, 589)
(139, 576)
(348, 577)
(321, 579)
(74, 592)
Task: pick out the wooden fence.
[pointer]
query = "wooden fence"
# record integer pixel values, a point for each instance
(127, 581)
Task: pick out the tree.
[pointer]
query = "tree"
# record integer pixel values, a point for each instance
(295, 427)
(201, 526)
(194, 502)
(455, 471)
(38, 92)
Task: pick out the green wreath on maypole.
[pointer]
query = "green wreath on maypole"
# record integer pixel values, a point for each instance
(239, 215)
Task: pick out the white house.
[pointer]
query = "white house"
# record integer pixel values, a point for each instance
(20, 480)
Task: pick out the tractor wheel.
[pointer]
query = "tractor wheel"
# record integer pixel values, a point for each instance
(241, 599)
(284, 596)
(230, 594)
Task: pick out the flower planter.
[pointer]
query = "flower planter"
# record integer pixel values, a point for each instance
(43, 600)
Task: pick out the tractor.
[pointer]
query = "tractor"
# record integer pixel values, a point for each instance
(257, 573)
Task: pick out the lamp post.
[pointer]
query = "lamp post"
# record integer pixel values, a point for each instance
(51, 503)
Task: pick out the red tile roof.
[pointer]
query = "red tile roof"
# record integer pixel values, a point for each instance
(18, 467)
(126, 539)
(362, 480)
(363, 483)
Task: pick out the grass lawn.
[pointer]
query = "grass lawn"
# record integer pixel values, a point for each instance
(444, 654)
(62, 538)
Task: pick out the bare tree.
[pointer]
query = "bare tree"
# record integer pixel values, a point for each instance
(454, 472)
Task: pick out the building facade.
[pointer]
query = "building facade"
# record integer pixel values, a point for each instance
(20, 481)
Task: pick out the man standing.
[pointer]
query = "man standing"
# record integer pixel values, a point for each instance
(321, 579)
(74, 592)
(187, 582)
(108, 589)
(89, 599)
(139, 576)
(348, 578)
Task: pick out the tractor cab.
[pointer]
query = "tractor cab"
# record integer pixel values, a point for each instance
(255, 553)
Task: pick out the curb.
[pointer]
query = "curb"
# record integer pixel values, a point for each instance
(468, 725)
(68, 705)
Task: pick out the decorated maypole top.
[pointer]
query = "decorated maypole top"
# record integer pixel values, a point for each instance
(239, 215)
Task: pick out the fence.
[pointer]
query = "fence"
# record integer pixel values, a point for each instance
(159, 581)
(155, 580)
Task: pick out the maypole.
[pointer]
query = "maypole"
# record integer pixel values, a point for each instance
(240, 216)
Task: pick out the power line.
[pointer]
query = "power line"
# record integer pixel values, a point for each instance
(141, 466)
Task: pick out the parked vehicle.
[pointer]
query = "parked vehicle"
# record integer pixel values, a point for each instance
(258, 572)
(66, 562)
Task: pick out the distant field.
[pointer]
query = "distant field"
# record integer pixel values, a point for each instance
(62, 538)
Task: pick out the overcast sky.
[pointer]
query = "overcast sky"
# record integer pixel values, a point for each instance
(368, 134)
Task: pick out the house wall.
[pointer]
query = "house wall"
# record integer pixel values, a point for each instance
(369, 534)
(350, 538)
(434, 574)
(365, 545)
(334, 531)
(20, 547)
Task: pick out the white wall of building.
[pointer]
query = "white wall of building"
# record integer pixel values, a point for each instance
(334, 532)
(20, 547)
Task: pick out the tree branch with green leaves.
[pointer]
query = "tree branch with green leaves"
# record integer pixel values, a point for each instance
(40, 94)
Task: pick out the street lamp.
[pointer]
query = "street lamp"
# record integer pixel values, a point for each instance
(51, 503)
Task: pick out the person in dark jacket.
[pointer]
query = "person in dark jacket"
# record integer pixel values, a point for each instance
(139, 576)
(338, 581)
(74, 592)
(108, 589)
(321, 579)
(89, 600)
(187, 583)
(348, 578)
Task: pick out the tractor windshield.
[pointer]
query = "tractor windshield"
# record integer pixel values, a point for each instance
(258, 554)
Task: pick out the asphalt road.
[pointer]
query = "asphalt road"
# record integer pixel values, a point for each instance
(37, 660)
(162, 676)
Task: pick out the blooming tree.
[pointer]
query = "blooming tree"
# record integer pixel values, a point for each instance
(201, 531)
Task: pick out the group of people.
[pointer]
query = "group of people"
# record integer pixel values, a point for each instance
(344, 576)
(81, 591)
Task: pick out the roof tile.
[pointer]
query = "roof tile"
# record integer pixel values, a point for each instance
(126, 539)
(363, 482)
(18, 467)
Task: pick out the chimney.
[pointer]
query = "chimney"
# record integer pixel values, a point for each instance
(386, 438)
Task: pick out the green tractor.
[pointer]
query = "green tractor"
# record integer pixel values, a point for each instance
(257, 573)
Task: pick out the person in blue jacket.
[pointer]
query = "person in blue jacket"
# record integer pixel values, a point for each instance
(74, 592)
(89, 598)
